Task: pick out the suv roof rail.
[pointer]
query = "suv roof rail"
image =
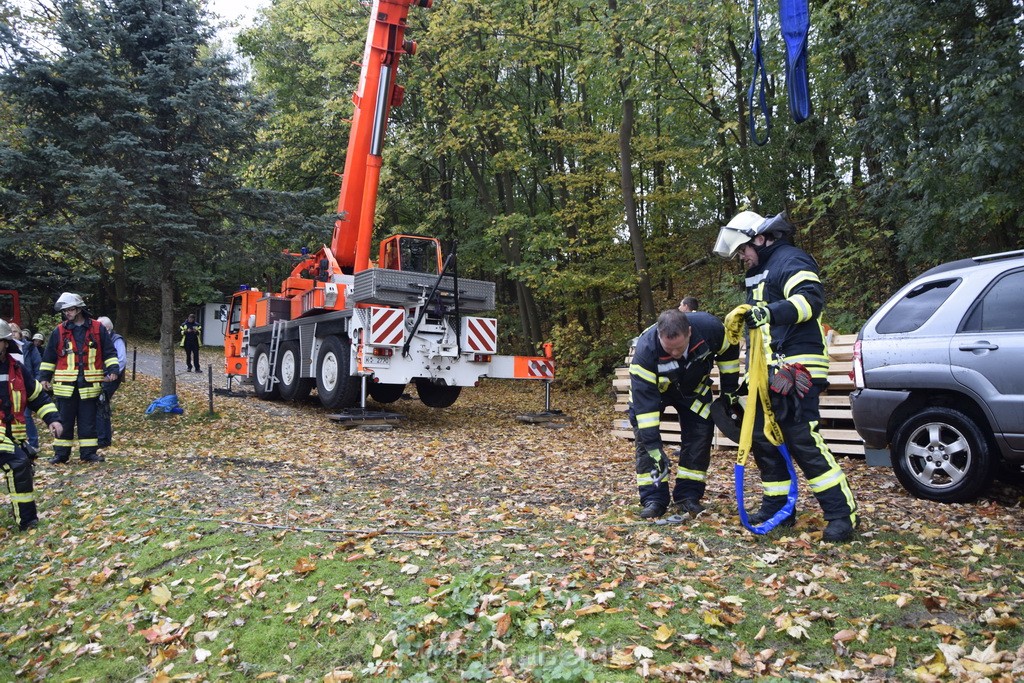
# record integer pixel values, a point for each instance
(999, 256)
(973, 261)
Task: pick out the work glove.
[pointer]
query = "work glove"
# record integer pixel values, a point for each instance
(758, 316)
(659, 472)
(791, 377)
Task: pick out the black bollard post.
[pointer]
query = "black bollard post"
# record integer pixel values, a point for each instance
(209, 379)
(135, 358)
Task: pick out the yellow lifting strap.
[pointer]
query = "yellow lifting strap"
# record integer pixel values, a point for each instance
(757, 383)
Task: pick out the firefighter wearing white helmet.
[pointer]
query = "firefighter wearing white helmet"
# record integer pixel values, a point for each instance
(18, 389)
(786, 297)
(78, 358)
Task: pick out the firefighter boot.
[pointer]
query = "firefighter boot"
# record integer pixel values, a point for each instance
(690, 506)
(28, 518)
(839, 530)
(652, 509)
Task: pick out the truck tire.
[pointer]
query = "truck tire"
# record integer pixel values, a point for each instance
(336, 388)
(261, 374)
(289, 364)
(436, 395)
(941, 454)
(386, 393)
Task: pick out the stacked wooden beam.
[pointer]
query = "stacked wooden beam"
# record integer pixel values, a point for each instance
(836, 419)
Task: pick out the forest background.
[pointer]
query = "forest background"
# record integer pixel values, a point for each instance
(580, 153)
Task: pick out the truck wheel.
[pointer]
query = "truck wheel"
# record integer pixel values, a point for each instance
(941, 454)
(261, 374)
(289, 362)
(436, 395)
(336, 388)
(386, 393)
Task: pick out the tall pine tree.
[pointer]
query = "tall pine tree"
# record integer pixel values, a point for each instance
(131, 135)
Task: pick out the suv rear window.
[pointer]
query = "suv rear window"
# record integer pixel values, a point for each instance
(916, 307)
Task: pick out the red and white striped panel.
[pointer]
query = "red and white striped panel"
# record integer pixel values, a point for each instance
(480, 335)
(540, 368)
(387, 326)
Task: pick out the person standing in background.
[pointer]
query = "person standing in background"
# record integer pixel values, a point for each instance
(104, 416)
(191, 340)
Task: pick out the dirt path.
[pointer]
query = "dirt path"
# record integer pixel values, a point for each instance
(145, 360)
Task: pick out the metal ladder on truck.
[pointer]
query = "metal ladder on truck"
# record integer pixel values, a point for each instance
(275, 342)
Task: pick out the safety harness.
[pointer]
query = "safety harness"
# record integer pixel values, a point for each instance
(12, 405)
(757, 393)
(71, 357)
(795, 19)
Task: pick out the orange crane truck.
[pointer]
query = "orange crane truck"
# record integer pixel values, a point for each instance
(350, 327)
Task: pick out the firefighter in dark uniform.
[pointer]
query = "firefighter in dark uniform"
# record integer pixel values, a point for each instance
(17, 390)
(78, 358)
(191, 340)
(787, 298)
(672, 366)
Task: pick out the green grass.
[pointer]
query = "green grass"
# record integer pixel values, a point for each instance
(464, 552)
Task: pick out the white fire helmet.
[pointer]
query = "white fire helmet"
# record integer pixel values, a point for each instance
(68, 300)
(6, 331)
(745, 227)
(740, 230)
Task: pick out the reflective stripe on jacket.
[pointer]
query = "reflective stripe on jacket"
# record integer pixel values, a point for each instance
(786, 280)
(17, 390)
(657, 379)
(66, 359)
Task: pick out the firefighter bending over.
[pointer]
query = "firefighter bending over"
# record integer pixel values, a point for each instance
(672, 366)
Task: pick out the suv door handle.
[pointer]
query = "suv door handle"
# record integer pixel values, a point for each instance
(980, 346)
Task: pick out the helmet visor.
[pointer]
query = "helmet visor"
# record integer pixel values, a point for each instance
(729, 242)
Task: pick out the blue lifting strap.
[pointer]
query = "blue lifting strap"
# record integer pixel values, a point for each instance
(758, 86)
(788, 509)
(795, 18)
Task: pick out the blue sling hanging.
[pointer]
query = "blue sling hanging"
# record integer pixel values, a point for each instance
(795, 17)
(760, 78)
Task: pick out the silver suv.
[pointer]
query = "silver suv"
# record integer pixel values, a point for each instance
(939, 371)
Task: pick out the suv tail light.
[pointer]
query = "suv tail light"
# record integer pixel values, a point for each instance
(857, 372)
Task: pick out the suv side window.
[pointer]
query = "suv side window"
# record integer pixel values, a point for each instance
(914, 309)
(1001, 308)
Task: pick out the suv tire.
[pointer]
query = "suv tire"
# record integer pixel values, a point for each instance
(941, 454)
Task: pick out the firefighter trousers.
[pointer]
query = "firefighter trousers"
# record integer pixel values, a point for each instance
(17, 470)
(104, 428)
(192, 357)
(696, 432)
(810, 453)
(81, 412)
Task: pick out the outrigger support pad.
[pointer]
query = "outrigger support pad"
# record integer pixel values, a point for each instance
(229, 391)
(361, 417)
(547, 415)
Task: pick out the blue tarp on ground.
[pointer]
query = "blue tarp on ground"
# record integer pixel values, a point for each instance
(167, 404)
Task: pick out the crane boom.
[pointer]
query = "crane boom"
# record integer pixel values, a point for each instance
(376, 94)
